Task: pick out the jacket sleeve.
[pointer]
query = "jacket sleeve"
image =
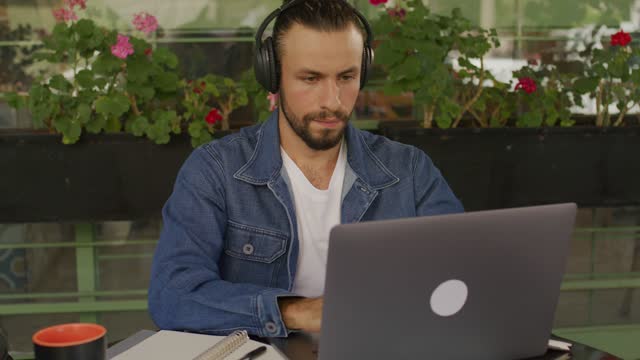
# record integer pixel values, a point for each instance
(433, 194)
(186, 290)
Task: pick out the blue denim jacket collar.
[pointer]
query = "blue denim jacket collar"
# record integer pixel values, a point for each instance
(265, 164)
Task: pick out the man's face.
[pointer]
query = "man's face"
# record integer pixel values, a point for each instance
(320, 82)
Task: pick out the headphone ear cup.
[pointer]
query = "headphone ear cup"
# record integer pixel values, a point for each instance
(272, 66)
(367, 58)
(260, 62)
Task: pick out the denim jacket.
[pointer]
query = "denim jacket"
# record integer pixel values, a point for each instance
(229, 244)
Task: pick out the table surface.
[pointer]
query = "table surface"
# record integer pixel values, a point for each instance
(300, 346)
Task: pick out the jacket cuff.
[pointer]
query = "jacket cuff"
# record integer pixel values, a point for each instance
(269, 317)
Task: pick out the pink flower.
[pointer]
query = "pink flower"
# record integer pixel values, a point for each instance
(213, 117)
(377, 2)
(145, 22)
(123, 48)
(63, 14)
(273, 101)
(73, 3)
(620, 38)
(526, 84)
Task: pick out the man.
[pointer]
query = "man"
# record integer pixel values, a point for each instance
(246, 230)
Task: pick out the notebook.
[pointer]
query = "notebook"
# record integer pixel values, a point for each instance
(171, 345)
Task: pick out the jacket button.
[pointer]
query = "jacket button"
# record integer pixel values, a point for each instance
(271, 327)
(247, 249)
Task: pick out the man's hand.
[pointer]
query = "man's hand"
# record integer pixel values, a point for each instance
(301, 313)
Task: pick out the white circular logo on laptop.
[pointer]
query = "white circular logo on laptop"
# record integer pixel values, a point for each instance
(449, 297)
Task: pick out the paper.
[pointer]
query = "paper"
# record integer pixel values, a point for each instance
(172, 345)
(559, 345)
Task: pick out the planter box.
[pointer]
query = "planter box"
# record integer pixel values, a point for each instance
(509, 167)
(122, 177)
(102, 177)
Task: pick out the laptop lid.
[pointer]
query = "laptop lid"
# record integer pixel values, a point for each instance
(478, 285)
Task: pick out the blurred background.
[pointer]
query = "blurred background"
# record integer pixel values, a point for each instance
(56, 269)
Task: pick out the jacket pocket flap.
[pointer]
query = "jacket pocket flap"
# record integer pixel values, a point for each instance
(253, 243)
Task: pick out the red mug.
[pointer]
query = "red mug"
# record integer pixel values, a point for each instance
(73, 341)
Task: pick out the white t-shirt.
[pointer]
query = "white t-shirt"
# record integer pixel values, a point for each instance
(317, 211)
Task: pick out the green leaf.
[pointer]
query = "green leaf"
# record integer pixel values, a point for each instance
(58, 82)
(138, 69)
(165, 57)
(84, 113)
(16, 101)
(618, 67)
(410, 68)
(567, 123)
(85, 78)
(107, 64)
(204, 138)
(112, 106)
(385, 55)
(60, 37)
(96, 124)
(195, 128)
(228, 82)
(586, 85)
(166, 81)
(84, 27)
(72, 133)
(39, 98)
(530, 119)
(113, 125)
(142, 93)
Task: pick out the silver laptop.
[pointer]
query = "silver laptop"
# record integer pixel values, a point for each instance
(479, 285)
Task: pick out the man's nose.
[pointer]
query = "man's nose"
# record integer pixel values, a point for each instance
(330, 98)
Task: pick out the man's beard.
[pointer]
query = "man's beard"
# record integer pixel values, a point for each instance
(328, 138)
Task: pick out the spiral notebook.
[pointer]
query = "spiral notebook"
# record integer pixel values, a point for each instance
(172, 345)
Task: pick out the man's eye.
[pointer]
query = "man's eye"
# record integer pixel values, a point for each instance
(310, 79)
(348, 77)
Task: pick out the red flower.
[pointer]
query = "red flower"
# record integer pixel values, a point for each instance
(213, 117)
(527, 84)
(398, 13)
(148, 52)
(377, 2)
(620, 38)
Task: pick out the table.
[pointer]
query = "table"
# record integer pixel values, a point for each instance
(301, 346)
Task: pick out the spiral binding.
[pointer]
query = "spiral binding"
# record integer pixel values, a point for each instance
(225, 346)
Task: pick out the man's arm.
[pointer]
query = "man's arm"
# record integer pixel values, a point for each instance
(433, 194)
(186, 290)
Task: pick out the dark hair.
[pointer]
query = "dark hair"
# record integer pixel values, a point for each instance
(321, 15)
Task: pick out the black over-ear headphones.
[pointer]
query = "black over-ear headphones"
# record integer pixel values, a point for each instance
(265, 63)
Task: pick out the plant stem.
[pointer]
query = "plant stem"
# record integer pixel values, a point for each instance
(623, 113)
(607, 102)
(134, 104)
(475, 98)
(598, 105)
(428, 116)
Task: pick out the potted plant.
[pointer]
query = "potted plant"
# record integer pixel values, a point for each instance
(118, 93)
(511, 144)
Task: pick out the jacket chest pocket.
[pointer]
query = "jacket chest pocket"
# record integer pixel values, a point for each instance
(251, 254)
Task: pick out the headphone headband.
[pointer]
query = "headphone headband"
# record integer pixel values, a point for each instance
(265, 63)
(274, 14)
